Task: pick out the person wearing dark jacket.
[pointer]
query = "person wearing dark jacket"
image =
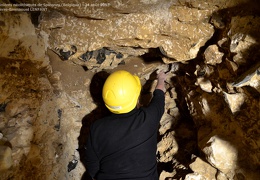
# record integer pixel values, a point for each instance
(123, 145)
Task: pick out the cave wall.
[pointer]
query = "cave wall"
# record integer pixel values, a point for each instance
(53, 65)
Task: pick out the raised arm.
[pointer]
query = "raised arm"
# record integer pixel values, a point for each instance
(160, 83)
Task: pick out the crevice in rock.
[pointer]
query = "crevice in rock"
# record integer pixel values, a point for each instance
(35, 18)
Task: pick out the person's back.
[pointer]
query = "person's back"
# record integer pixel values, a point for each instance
(123, 145)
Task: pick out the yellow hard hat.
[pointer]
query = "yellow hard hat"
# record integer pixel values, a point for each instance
(121, 91)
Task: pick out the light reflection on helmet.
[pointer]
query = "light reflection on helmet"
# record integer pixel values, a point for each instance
(121, 92)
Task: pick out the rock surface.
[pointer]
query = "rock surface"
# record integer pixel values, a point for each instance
(19, 40)
(159, 24)
(5, 158)
(222, 155)
(202, 168)
(52, 70)
(212, 55)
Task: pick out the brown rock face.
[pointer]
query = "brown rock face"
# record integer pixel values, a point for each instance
(54, 61)
(178, 30)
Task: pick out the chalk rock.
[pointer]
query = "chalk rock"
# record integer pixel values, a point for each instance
(212, 55)
(222, 155)
(169, 119)
(204, 70)
(45, 84)
(208, 4)
(51, 20)
(217, 21)
(235, 101)
(166, 175)
(15, 107)
(194, 176)
(221, 176)
(203, 168)
(204, 84)
(166, 123)
(250, 78)
(244, 39)
(167, 147)
(5, 158)
(232, 66)
(185, 25)
(161, 24)
(21, 137)
(18, 39)
(224, 43)
(3, 121)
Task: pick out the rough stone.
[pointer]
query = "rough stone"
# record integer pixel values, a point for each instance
(166, 175)
(22, 138)
(203, 168)
(232, 66)
(204, 84)
(58, 20)
(222, 155)
(167, 147)
(166, 123)
(5, 158)
(244, 39)
(235, 101)
(14, 108)
(169, 119)
(212, 55)
(221, 176)
(249, 78)
(163, 25)
(184, 27)
(211, 3)
(217, 21)
(194, 176)
(204, 70)
(19, 39)
(3, 122)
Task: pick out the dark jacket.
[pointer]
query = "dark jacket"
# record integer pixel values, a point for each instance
(123, 146)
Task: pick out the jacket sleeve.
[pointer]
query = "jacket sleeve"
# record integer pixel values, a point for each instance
(91, 160)
(158, 102)
(155, 109)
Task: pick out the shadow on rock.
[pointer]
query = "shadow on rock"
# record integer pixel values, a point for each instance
(101, 111)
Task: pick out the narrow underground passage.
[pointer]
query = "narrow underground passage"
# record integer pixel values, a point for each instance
(182, 125)
(41, 113)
